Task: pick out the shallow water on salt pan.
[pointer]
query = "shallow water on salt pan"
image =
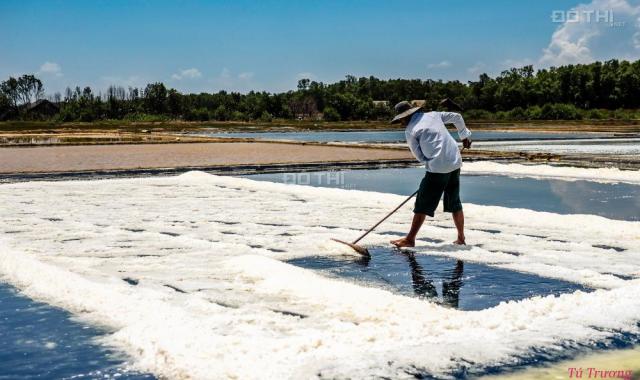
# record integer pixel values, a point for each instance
(615, 201)
(41, 341)
(397, 135)
(450, 282)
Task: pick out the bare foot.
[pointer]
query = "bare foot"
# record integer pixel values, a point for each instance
(460, 241)
(404, 242)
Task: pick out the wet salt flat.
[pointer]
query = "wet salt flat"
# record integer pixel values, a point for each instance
(615, 201)
(40, 341)
(168, 266)
(446, 281)
(397, 135)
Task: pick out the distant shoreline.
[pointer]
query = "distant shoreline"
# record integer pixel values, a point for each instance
(96, 150)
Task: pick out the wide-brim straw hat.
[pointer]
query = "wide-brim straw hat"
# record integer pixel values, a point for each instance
(403, 109)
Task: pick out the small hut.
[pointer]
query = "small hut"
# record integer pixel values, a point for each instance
(41, 109)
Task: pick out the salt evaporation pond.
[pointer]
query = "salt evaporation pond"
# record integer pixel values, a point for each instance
(446, 281)
(547, 142)
(172, 271)
(394, 136)
(41, 341)
(629, 146)
(615, 201)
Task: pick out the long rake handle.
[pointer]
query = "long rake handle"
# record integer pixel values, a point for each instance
(385, 218)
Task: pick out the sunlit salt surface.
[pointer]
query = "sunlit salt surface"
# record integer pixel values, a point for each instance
(583, 146)
(563, 196)
(190, 274)
(566, 173)
(397, 135)
(40, 341)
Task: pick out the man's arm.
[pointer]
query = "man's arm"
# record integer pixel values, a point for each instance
(456, 119)
(414, 146)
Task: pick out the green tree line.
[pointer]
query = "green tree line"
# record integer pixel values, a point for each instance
(608, 89)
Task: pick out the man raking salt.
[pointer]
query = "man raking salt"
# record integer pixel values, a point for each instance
(431, 144)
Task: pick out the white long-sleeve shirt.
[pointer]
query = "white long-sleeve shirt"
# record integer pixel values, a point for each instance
(431, 143)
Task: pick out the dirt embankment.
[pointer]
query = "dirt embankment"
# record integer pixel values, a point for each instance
(201, 155)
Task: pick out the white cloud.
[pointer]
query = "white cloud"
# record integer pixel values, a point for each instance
(245, 76)
(191, 73)
(50, 68)
(439, 65)
(588, 34)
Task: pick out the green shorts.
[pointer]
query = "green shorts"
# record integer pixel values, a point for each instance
(432, 187)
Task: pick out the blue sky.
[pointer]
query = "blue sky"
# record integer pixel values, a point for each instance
(268, 45)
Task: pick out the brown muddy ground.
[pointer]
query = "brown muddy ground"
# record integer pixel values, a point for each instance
(172, 155)
(226, 155)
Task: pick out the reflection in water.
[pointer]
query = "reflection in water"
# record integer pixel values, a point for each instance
(423, 286)
(615, 201)
(363, 260)
(483, 286)
(451, 289)
(582, 197)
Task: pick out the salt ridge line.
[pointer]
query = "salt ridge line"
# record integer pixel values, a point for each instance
(219, 208)
(603, 175)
